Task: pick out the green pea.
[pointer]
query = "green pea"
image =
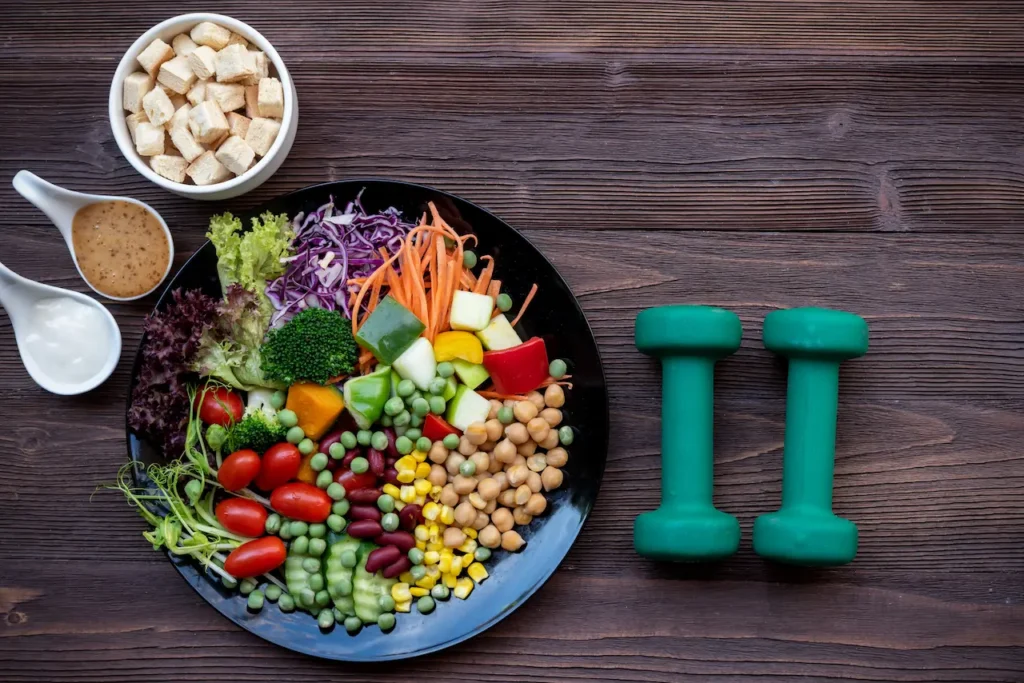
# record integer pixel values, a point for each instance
(389, 521)
(394, 406)
(411, 398)
(416, 556)
(440, 592)
(505, 415)
(343, 587)
(301, 545)
(336, 492)
(273, 523)
(246, 586)
(317, 546)
(323, 598)
(565, 435)
(311, 564)
(379, 441)
(307, 597)
(413, 433)
(557, 368)
(286, 531)
(386, 503)
(348, 559)
(437, 405)
(255, 602)
(324, 479)
(340, 508)
(504, 302)
(387, 603)
(467, 468)
(405, 388)
(425, 604)
(299, 528)
(469, 259)
(339, 616)
(386, 621)
(337, 450)
(450, 441)
(286, 603)
(402, 419)
(306, 446)
(416, 420)
(404, 445)
(359, 465)
(278, 399)
(353, 624)
(386, 420)
(482, 554)
(420, 407)
(445, 369)
(325, 619)
(287, 418)
(336, 523)
(418, 571)
(316, 582)
(229, 582)
(295, 435)
(423, 444)
(348, 442)
(272, 592)
(437, 386)
(318, 462)
(363, 437)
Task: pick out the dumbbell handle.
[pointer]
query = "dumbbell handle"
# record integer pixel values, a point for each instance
(809, 456)
(687, 428)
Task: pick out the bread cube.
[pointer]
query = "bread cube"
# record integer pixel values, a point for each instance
(228, 96)
(176, 75)
(177, 100)
(261, 134)
(252, 97)
(154, 56)
(206, 170)
(180, 118)
(135, 87)
(182, 138)
(183, 45)
(170, 149)
(210, 34)
(133, 120)
(270, 100)
(157, 106)
(237, 39)
(234, 63)
(198, 92)
(149, 139)
(262, 68)
(207, 122)
(172, 168)
(235, 155)
(203, 61)
(238, 124)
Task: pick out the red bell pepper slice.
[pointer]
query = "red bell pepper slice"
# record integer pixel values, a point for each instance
(435, 428)
(518, 369)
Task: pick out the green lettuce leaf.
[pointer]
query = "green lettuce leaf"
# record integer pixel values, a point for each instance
(251, 258)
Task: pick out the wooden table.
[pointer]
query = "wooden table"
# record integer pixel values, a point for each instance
(864, 155)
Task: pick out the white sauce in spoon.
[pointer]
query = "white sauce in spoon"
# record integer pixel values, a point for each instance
(69, 341)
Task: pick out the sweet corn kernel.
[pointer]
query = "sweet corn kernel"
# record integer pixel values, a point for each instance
(469, 531)
(477, 572)
(421, 545)
(434, 572)
(450, 580)
(435, 492)
(406, 578)
(405, 606)
(431, 557)
(419, 456)
(422, 487)
(445, 563)
(406, 477)
(436, 546)
(427, 582)
(407, 494)
(468, 547)
(435, 531)
(391, 490)
(406, 464)
(447, 514)
(423, 471)
(456, 566)
(420, 500)
(400, 592)
(431, 511)
(418, 592)
(399, 505)
(463, 587)
(421, 532)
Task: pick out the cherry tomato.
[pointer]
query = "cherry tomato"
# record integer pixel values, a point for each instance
(239, 469)
(352, 481)
(281, 463)
(301, 501)
(256, 557)
(242, 516)
(219, 406)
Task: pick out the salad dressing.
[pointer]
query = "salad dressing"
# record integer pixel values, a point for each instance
(68, 340)
(121, 247)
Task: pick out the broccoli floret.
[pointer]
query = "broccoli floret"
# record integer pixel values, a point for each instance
(257, 430)
(313, 346)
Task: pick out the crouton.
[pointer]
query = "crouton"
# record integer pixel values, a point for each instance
(183, 45)
(149, 139)
(238, 124)
(176, 75)
(262, 68)
(136, 86)
(133, 120)
(182, 139)
(261, 134)
(157, 106)
(270, 99)
(170, 167)
(210, 34)
(154, 56)
(234, 63)
(206, 170)
(207, 122)
(180, 118)
(252, 97)
(235, 155)
(203, 61)
(198, 92)
(237, 39)
(228, 96)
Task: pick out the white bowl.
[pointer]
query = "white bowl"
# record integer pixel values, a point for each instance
(261, 171)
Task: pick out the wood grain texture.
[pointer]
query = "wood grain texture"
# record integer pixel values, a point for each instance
(753, 154)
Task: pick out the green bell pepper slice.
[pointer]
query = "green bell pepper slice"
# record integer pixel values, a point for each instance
(389, 331)
(365, 396)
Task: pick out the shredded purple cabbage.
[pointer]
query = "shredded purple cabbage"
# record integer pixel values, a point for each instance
(346, 243)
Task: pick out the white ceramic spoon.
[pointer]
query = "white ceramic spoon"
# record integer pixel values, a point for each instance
(60, 206)
(19, 296)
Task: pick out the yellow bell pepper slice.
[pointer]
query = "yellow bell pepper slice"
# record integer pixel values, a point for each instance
(463, 345)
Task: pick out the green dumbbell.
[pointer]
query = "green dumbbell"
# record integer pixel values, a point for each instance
(689, 340)
(804, 530)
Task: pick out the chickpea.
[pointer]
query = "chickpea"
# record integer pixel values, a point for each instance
(518, 460)
(536, 505)
(489, 488)
(476, 434)
(521, 517)
(493, 464)
(557, 457)
(523, 494)
(438, 475)
(476, 501)
(466, 447)
(536, 398)
(438, 453)
(464, 485)
(527, 449)
(551, 441)
(453, 462)
(553, 416)
(453, 537)
(507, 498)
(517, 433)
(505, 451)
(536, 463)
(495, 430)
(488, 446)
(538, 428)
(448, 496)
(551, 478)
(510, 540)
(502, 480)
(517, 475)
(492, 505)
(502, 519)
(510, 403)
(489, 536)
(482, 520)
(554, 397)
(465, 514)
(525, 411)
(534, 482)
(496, 406)
(481, 460)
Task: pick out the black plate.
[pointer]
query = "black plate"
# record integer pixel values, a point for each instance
(514, 577)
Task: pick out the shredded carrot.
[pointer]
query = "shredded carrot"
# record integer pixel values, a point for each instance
(485, 276)
(494, 289)
(526, 302)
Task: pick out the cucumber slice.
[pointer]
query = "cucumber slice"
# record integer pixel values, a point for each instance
(336, 574)
(296, 578)
(470, 374)
(417, 364)
(466, 408)
(369, 588)
(499, 335)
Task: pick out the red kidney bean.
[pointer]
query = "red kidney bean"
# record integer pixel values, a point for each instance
(401, 565)
(382, 557)
(364, 497)
(364, 512)
(403, 540)
(376, 460)
(391, 476)
(410, 516)
(392, 449)
(329, 440)
(350, 456)
(364, 528)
